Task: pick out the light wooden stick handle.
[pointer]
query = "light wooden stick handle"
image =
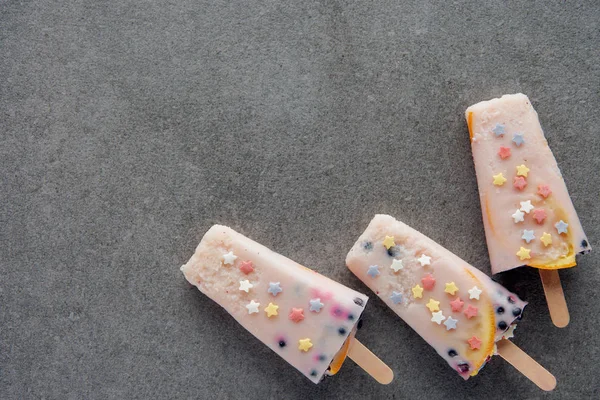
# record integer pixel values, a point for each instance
(526, 365)
(370, 362)
(555, 297)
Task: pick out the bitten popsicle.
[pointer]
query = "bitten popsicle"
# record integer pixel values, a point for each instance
(306, 318)
(528, 216)
(456, 308)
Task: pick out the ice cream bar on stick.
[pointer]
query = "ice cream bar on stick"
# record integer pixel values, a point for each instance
(306, 318)
(528, 216)
(456, 308)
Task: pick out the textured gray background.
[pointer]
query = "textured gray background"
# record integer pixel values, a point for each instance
(127, 128)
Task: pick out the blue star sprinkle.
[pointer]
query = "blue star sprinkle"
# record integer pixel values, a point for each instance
(396, 297)
(498, 130)
(373, 271)
(518, 139)
(274, 288)
(315, 305)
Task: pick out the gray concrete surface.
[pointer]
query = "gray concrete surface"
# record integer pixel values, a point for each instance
(127, 128)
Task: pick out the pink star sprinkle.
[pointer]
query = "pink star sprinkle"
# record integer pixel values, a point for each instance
(297, 314)
(474, 342)
(246, 267)
(428, 282)
(504, 152)
(544, 190)
(520, 182)
(471, 311)
(457, 304)
(539, 215)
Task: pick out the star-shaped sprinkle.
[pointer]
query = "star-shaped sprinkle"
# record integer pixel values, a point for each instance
(271, 310)
(474, 342)
(504, 152)
(510, 333)
(499, 179)
(523, 253)
(252, 307)
(304, 344)
(544, 190)
(297, 314)
(315, 305)
(457, 304)
(373, 271)
(450, 323)
(451, 288)
(229, 258)
(246, 285)
(518, 216)
(396, 297)
(437, 317)
(526, 206)
(274, 288)
(546, 239)
(561, 226)
(498, 130)
(470, 311)
(522, 170)
(428, 282)
(539, 214)
(417, 292)
(433, 305)
(527, 235)
(389, 242)
(518, 139)
(519, 182)
(424, 260)
(246, 267)
(397, 265)
(474, 293)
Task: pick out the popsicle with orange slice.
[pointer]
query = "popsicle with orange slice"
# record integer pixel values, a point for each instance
(528, 215)
(456, 308)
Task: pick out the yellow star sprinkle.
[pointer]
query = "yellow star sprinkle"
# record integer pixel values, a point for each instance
(417, 292)
(389, 242)
(451, 288)
(546, 239)
(523, 253)
(271, 310)
(499, 179)
(304, 344)
(433, 305)
(522, 170)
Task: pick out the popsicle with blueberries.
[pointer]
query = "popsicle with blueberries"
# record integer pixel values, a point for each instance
(528, 215)
(307, 319)
(456, 308)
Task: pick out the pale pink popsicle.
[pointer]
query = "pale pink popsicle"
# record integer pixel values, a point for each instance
(456, 308)
(528, 216)
(301, 315)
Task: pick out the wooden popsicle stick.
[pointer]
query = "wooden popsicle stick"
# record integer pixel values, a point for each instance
(526, 365)
(370, 362)
(559, 313)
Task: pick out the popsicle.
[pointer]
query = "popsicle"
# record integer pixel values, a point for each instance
(306, 318)
(528, 215)
(456, 308)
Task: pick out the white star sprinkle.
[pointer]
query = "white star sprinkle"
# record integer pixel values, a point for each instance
(229, 258)
(246, 285)
(474, 292)
(437, 317)
(518, 216)
(424, 260)
(561, 226)
(450, 323)
(252, 307)
(397, 265)
(527, 235)
(526, 206)
(510, 332)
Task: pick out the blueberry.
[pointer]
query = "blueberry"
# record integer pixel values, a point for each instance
(282, 343)
(463, 367)
(313, 372)
(510, 300)
(358, 302)
(517, 311)
(368, 246)
(502, 325)
(500, 310)
(351, 317)
(392, 251)
(359, 325)
(322, 357)
(342, 331)
(584, 243)
(452, 353)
